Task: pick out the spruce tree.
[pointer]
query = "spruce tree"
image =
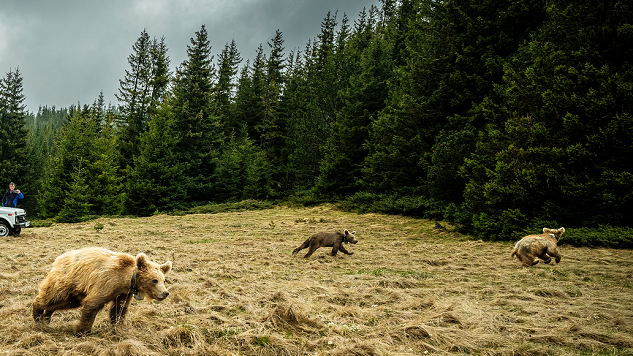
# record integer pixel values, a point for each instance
(156, 182)
(365, 66)
(200, 129)
(15, 162)
(141, 91)
(224, 91)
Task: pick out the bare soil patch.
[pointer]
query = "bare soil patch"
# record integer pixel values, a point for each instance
(409, 289)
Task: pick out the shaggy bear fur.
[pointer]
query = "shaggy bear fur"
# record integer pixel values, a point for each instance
(327, 239)
(92, 277)
(543, 246)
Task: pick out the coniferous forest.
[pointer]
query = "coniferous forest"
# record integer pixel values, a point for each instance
(494, 115)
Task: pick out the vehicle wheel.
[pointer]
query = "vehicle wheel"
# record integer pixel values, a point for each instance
(17, 230)
(5, 229)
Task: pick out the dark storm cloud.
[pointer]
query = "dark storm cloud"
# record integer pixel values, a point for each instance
(69, 51)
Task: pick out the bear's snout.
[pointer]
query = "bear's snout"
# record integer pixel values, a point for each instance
(162, 296)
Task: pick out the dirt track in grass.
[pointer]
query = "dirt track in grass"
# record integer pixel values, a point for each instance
(409, 289)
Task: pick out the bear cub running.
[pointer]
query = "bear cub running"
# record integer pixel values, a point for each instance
(328, 239)
(92, 277)
(544, 246)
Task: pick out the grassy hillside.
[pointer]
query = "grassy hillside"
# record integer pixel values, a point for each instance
(412, 287)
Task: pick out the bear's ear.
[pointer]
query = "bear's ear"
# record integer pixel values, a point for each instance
(353, 232)
(346, 232)
(561, 230)
(546, 230)
(166, 267)
(141, 261)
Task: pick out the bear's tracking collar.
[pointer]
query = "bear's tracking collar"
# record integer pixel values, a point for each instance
(134, 286)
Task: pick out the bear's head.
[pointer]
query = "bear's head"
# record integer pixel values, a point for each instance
(349, 237)
(150, 278)
(554, 233)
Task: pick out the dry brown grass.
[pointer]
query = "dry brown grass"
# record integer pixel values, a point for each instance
(409, 289)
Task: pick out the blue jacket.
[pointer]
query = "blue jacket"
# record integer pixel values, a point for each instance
(11, 199)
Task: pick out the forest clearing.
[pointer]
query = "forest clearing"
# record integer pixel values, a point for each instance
(412, 287)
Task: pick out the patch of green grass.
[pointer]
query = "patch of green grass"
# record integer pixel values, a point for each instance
(42, 223)
(573, 292)
(416, 274)
(262, 340)
(201, 241)
(228, 332)
(378, 272)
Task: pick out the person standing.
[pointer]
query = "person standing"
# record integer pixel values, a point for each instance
(11, 196)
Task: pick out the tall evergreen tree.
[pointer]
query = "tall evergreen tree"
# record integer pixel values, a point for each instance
(15, 163)
(273, 127)
(141, 91)
(200, 129)
(366, 68)
(224, 92)
(156, 182)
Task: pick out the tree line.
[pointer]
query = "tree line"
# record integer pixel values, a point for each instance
(495, 115)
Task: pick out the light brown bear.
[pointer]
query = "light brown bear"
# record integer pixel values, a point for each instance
(327, 239)
(543, 246)
(91, 277)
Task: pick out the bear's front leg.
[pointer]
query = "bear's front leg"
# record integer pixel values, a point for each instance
(119, 309)
(345, 251)
(88, 314)
(545, 257)
(37, 314)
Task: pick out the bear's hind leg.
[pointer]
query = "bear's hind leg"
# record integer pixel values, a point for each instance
(43, 311)
(313, 247)
(304, 245)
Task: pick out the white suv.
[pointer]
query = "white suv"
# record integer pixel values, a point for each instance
(12, 220)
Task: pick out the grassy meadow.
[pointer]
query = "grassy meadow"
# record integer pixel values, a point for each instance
(412, 287)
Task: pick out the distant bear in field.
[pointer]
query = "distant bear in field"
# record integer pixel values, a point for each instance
(327, 239)
(543, 246)
(92, 277)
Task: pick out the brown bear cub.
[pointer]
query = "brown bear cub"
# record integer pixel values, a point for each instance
(543, 246)
(327, 239)
(92, 277)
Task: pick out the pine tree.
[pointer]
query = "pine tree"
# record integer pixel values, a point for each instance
(156, 183)
(141, 91)
(15, 161)
(250, 101)
(224, 93)
(134, 96)
(365, 71)
(273, 127)
(200, 129)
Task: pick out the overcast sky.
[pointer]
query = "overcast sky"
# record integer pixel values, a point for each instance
(70, 50)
